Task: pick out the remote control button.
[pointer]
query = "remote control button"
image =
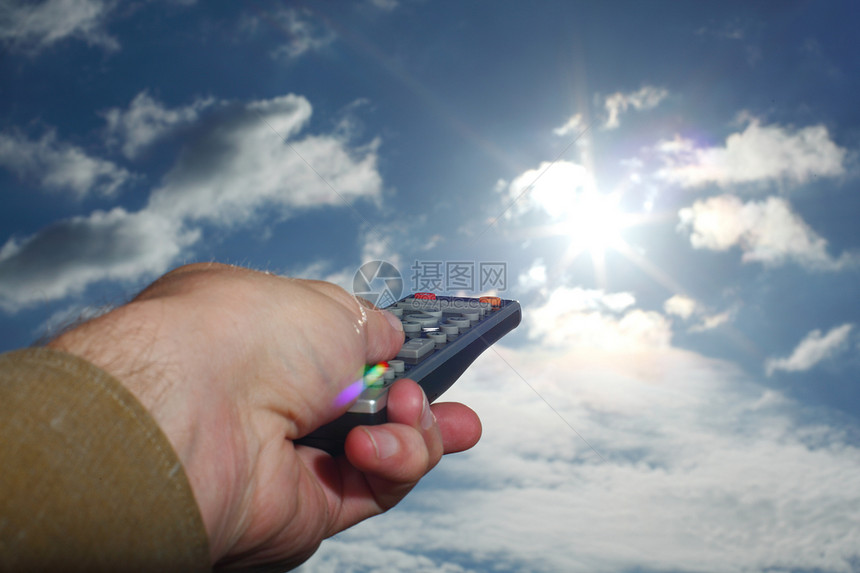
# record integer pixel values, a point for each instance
(462, 323)
(423, 319)
(474, 317)
(398, 312)
(450, 330)
(438, 337)
(494, 301)
(411, 326)
(397, 365)
(371, 400)
(425, 295)
(373, 375)
(416, 348)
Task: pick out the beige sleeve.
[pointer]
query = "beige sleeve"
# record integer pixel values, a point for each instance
(88, 482)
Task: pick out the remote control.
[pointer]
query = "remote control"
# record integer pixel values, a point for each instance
(444, 335)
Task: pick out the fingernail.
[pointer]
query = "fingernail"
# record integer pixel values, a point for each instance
(427, 417)
(393, 320)
(384, 442)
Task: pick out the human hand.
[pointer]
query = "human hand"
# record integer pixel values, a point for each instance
(235, 364)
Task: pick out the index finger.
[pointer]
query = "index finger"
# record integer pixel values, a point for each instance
(381, 330)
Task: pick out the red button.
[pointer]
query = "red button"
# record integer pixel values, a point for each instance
(425, 295)
(494, 301)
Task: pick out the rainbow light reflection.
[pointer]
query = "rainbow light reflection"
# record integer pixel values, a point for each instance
(372, 376)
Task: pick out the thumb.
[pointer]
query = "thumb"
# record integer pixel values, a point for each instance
(384, 335)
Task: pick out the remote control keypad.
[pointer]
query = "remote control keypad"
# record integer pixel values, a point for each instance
(429, 323)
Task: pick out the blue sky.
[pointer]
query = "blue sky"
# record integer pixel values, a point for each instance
(671, 188)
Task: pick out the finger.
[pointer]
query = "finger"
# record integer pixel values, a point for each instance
(394, 453)
(383, 463)
(384, 335)
(407, 446)
(382, 331)
(459, 425)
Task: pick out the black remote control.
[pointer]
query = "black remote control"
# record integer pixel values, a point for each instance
(444, 335)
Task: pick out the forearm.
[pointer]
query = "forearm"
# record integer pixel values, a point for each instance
(89, 481)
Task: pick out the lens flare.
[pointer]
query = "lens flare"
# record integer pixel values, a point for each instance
(373, 377)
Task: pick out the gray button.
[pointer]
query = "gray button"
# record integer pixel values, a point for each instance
(416, 348)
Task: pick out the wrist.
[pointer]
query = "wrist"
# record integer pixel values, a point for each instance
(135, 345)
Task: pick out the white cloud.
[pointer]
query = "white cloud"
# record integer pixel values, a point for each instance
(534, 278)
(597, 320)
(554, 188)
(303, 33)
(64, 258)
(242, 163)
(699, 469)
(757, 154)
(237, 166)
(680, 305)
(573, 125)
(647, 97)
(34, 26)
(712, 321)
(147, 120)
(686, 308)
(60, 166)
(377, 246)
(768, 232)
(814, 348)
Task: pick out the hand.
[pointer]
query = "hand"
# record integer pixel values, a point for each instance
(235, 364)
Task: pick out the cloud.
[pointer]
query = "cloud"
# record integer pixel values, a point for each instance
(554, 188)
(247, 158)
(386, 5)
(647, 97)
(534, 278)
(767, 232)
(241, 162)
(686, 308)
(757, 154)
(729, 30)
(573, 125)
(680, 305)
(700, 468)
(60, 166)
(304, 34)
(34, 26)
(712, 321)
(812, 349)
(64, 258)
(598, 320)
(147, 120)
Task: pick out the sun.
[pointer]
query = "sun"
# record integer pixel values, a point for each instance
(594, 223)
(590, 221)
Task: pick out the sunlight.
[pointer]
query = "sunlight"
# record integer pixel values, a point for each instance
(594, 223)
(568, 193)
